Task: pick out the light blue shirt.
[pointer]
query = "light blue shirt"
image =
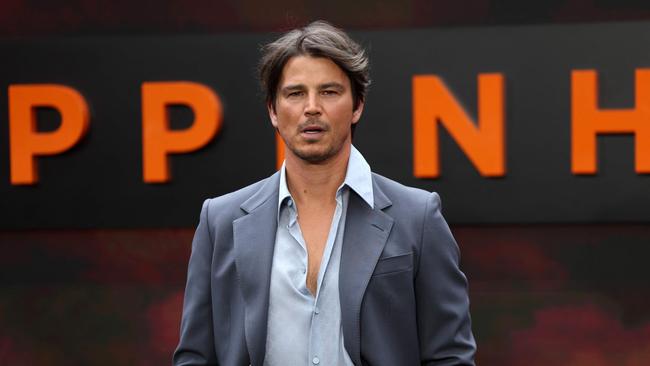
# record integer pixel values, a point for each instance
(303, 329)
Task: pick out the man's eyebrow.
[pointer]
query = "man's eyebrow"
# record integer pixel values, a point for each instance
(299, 87)
(332, 85)
(292, 87)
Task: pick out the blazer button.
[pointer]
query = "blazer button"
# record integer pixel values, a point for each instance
(315, 360)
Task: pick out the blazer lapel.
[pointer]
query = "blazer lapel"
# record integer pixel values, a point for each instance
(254, 240)
(366, 232)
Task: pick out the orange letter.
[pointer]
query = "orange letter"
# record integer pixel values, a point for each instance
(279, 151)
(588, 121)
(158, 139)
(26, 142)
(483, 144)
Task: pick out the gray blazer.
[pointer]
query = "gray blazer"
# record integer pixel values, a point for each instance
(403, 297)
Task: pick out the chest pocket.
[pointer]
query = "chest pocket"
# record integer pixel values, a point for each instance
(398, 263)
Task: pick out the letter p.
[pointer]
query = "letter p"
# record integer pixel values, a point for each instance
(158, 140)
(26, 142)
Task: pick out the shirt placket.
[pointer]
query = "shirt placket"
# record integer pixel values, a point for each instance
(316, 332)
(294, 231)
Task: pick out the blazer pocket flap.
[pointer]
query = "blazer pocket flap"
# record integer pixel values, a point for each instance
(396, 263)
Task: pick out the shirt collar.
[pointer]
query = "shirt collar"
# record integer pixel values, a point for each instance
(358, 177)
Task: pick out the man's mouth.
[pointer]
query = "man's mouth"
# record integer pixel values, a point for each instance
(313, 128)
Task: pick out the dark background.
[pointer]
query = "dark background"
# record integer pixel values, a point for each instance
(99, 183)
(544, 292)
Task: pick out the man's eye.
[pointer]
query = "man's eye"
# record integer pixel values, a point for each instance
(329, 92)
(294, 94)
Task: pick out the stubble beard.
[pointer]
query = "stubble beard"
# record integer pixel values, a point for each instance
(317, 156)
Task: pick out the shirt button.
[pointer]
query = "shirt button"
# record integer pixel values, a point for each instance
(316, 311)
(315, 360)
(290, 203)
(304, 271)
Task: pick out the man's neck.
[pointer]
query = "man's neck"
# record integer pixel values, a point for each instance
(316, 183)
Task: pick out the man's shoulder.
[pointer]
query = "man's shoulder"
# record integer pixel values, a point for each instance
(397, 190)
(407, 202)
(234, 200)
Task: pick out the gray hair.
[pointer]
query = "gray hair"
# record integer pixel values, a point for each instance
(317, 39)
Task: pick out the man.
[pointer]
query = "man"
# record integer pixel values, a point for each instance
(323, 263)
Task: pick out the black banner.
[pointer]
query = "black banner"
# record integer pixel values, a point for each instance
(99, 182)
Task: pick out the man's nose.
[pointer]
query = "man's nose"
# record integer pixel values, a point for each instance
(313, 106)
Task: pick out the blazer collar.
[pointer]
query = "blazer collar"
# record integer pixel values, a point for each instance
(268, 190)
(366, 232)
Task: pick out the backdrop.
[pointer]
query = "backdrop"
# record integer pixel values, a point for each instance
(94, 255)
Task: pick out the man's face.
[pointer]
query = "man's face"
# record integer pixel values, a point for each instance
(313, 108)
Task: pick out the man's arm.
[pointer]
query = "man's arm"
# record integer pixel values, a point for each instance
(444, 325)
(196, 346)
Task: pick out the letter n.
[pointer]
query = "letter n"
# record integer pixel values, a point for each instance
(482, 142)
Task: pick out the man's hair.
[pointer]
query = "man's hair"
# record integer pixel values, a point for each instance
(317, 39)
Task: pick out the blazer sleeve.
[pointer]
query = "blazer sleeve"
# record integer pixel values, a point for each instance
(444, 325)
(196, 345)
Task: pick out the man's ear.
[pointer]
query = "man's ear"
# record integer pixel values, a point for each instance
(272, 115)
(356, 114)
